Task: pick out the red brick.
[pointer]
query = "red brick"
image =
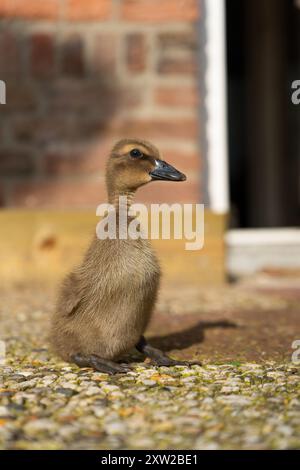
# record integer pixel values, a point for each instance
(173, 128)
(10, 57)
(30, 9)
(155, 11)
(73, 95)
(24, 129)
(15, 162)
(187, 162)
(105, 51)
(78, 159)
(177, 53)
(44, 130)
(59, 194)
(159, 192)
(136, 52)
(20, 96)
(61, 128)
(179, 40)
(42, 55)
(177, 66)
(94, 97)
(176, 96)
(73, 56)
(88, 10)
(180, 66)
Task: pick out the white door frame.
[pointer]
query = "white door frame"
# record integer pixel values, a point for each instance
(248, 250)
(215, 103)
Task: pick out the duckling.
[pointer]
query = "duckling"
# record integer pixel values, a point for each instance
(105, 304)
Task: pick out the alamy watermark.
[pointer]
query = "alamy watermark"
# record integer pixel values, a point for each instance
(296, 92)
(157, 221)
(296, 353)
(2, 92)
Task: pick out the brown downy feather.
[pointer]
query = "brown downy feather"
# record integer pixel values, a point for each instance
(105, 304)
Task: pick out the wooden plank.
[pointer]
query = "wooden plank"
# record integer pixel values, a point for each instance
(44, 245)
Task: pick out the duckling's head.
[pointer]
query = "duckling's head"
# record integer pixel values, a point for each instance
(133, 163)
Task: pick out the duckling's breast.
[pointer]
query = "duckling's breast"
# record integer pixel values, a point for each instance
(122, 270)
(124, 280)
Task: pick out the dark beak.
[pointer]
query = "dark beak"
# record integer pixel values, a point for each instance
(166, 172)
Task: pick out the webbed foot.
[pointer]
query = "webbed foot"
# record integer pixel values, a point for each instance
(159, 358)
(98, 363)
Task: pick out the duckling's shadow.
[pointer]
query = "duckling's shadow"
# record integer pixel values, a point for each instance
(188, 337)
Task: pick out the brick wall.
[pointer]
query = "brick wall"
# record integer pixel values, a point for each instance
(81, 74)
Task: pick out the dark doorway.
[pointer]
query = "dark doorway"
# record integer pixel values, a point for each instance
(263, 57)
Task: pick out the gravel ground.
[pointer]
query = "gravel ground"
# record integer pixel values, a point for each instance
(245, 396)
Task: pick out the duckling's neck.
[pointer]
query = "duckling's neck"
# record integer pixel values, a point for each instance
(121, 199)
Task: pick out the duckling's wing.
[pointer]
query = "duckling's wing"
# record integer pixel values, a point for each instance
(70, 295)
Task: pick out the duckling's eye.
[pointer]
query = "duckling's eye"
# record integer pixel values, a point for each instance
(136, 153)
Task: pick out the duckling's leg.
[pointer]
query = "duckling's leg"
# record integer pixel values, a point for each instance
(100, 364)
(159, 357)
